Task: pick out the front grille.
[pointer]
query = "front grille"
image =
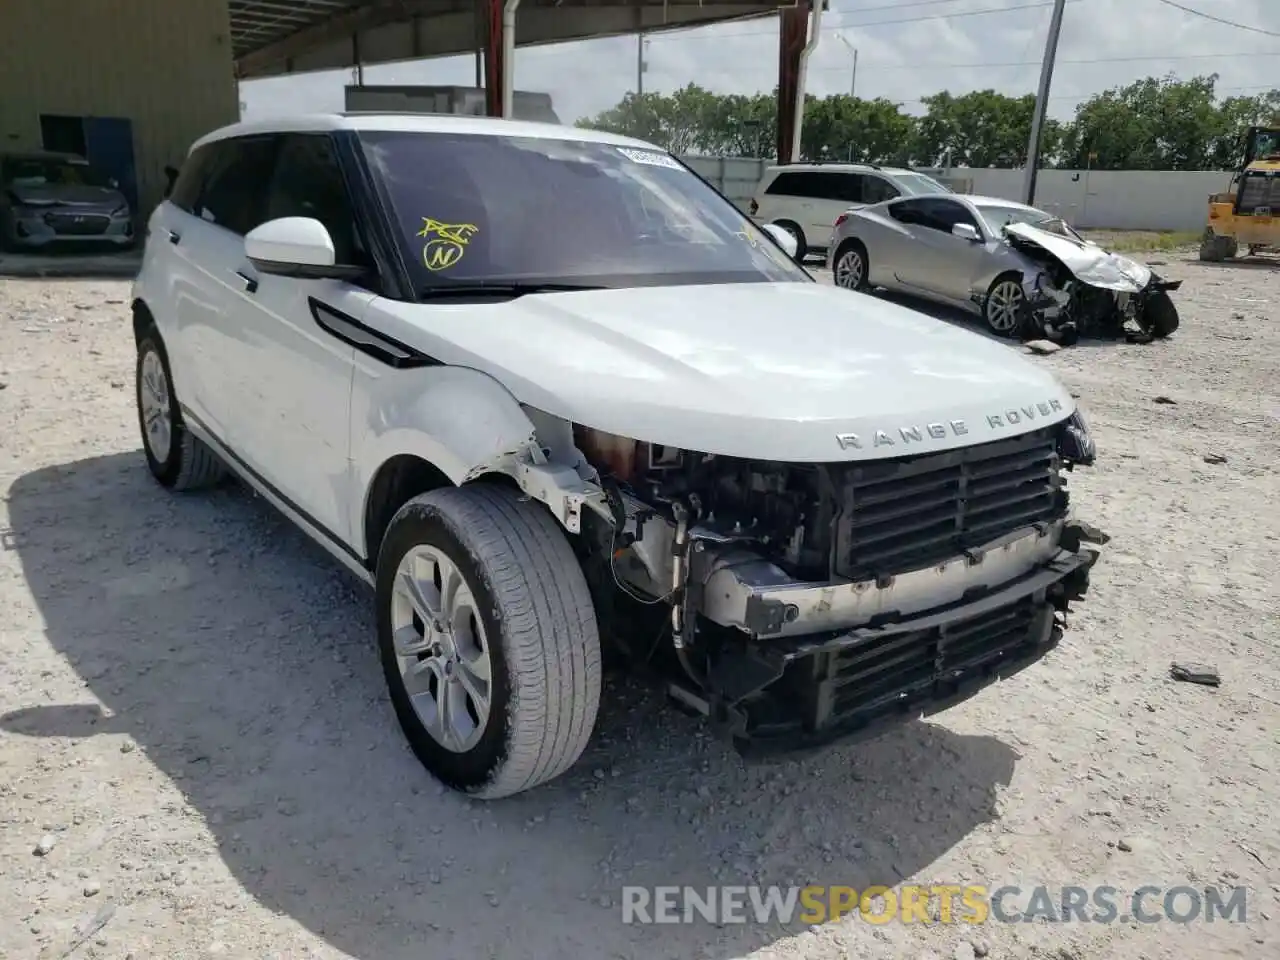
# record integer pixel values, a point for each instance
(905, 514)
(78, 224)
(906, 668)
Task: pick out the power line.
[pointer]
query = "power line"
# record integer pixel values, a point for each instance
(684, 38)
(883, 67)
(1086, 96)
(1229, 23)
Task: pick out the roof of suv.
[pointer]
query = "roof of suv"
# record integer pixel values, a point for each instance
(418, 123)
(839, 168)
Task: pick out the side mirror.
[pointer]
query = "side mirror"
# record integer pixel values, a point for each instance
(113, 183)
(966, 231)
(297, 247)
(784, 238)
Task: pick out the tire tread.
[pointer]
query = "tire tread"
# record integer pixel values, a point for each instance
(548, 628)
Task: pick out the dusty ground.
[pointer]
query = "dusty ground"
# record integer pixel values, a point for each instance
(191, 709)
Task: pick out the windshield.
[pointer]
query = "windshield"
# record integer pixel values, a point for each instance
(489, 209)
(917, 183)
(48, 171)
(998, 217)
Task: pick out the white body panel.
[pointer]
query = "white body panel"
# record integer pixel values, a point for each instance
(762, 371)
(798, 372)
(1090, 264)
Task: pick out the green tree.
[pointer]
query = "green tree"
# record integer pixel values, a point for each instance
(982, 129)
(1151, 124)
(862, 131)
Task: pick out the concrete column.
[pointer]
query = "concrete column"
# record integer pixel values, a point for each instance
(793, 32)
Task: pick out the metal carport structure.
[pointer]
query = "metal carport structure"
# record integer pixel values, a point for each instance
(275, 37)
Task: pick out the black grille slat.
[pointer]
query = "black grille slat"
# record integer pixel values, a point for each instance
(902, 667)
(917, 511)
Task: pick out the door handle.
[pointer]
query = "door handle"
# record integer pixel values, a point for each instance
(174, 237)
(250, 283)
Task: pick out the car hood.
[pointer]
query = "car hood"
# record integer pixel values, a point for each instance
(67, 194)
(769, 371)
(1089, 264)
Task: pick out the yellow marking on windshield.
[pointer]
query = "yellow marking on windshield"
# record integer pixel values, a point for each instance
(446, 242)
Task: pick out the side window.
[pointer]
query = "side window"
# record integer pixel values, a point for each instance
(791, 185)
(877, 190)
(846, 187)
(944, 214)
(308, 182)
(907, 211)
(186, 189)
(234, 194)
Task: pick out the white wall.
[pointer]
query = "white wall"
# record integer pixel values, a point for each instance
(1101, 199)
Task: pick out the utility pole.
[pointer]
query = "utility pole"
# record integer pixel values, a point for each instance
(641, 66)
(1042, 103)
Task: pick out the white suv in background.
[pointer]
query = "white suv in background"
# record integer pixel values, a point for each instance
(805, 198)
(542, 388)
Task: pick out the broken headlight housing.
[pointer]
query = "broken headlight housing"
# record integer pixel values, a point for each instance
(1075, 443)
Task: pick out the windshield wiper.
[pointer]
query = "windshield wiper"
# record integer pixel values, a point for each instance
(510, 290)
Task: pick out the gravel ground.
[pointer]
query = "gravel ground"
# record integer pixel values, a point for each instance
(192, 713)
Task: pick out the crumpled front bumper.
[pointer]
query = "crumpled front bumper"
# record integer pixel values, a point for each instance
(790, 694)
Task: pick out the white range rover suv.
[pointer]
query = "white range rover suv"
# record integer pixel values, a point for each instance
(543, 388)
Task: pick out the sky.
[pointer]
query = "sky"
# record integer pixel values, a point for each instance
(906, 50)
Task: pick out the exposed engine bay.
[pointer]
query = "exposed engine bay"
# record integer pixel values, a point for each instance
(770, 582)
(1083, 290)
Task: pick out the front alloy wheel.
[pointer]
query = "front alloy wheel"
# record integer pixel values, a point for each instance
(1004, 307)
(441, 648)
(488, 638)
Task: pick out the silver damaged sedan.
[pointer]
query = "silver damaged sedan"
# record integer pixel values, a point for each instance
(1025, 272)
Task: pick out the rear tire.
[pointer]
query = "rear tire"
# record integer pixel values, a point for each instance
(1160, 315)
(851, 267)
(176, 458)
(522, 604)
(802, 249)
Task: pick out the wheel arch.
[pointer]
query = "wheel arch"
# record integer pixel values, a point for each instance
(462, 427)
(143, 318)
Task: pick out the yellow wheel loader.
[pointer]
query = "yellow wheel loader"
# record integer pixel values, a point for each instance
(1242, 217)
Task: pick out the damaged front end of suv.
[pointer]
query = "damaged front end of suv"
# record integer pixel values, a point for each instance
(1075, 288)
(795, 604)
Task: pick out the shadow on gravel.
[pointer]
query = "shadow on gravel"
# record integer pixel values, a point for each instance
(240, 659)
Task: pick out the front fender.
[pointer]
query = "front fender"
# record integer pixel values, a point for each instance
(462, 421)
(466, 424)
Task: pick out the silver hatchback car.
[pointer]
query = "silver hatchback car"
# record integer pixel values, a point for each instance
(948, 248)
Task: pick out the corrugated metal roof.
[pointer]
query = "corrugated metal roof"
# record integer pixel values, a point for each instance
(299, 25)
(256, 23)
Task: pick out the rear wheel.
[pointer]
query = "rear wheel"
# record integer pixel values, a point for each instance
(1003, 307)
(802, 249)
(175, 457)
(488, 639)
(851, 265)
(1160, 315)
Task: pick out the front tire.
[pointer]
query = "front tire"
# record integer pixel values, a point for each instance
(1003, 308)
(175, 457)
(488, 639)
(1160, 315)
